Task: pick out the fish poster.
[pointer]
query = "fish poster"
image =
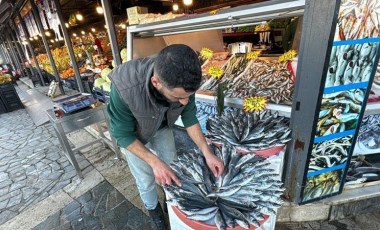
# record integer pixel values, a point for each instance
(322, 185)
(348, 78)
(328, 154)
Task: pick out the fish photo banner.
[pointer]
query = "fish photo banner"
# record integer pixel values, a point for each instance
(348, 80)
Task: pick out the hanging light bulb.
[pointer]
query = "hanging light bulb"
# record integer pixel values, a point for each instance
(93, 29)
(99, 9)
(187, 2)
(175, 7)
(31, 38)
(52, 40)
(67, 25)
(35, 37)
(47, 33)
(79, 16)
(56, 39)
(82, 32)
(122, 25)
(74, 34)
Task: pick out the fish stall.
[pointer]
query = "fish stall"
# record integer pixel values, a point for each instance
(288, 126)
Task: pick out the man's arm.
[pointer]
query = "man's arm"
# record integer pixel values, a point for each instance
(162, 172)
(191, 124)
(122, 127)
(213, 162)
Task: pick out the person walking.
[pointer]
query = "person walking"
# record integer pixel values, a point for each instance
(147, 96)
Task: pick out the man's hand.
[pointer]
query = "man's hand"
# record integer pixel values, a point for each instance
(164, 174)
(215, 164)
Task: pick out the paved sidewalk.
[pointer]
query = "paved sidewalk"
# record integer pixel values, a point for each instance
(39, 189)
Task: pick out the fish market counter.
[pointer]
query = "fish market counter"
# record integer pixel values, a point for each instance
(66, 123)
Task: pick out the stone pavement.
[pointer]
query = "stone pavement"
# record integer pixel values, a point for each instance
(39, 189)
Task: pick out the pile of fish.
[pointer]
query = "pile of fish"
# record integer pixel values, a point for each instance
(361, 170)
(249, 131)
(264, 78)
(359, 19)
(339, 111)
(322, 185)
(247, 190)
(350, 64)
(329, 153)
(369, 133)
(234, 67)
(204, 111)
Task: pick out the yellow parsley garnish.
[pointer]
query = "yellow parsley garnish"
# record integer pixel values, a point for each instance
(215, 72)
(262, 27)
(253, 55)
(213, 12)
(206, 53)
(254, 104)
(287, 56)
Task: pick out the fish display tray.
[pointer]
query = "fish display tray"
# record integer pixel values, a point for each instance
(175, 213)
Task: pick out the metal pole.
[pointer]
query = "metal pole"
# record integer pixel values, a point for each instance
(19, 50)
(69, 46)
(6, 53)
(315, 49)
(10, 51)
(129, 45)
(23, 51)
(27, 37)
(3, 51)
(13, 52)
(111, 31)
(48, 52)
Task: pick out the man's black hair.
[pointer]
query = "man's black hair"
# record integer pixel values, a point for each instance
(178, 66)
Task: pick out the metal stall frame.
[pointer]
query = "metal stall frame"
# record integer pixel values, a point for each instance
(18, 48)
(69, 46)
(10, 47)
(318, 31)
(46, 44)
(27, 37)
(111, 31)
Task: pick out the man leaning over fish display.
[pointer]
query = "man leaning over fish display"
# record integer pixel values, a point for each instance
(147, 96)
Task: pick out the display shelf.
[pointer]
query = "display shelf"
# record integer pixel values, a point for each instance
(237, 16)
(237, 34)
(372, 108)
(283, 110)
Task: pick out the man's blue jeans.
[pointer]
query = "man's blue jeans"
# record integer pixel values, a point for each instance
(162, 145)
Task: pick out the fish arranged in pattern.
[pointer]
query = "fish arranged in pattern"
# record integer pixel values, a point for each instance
(329, 153)
(359, 19)
(249, 131)
(350, 64)
(322, 185)
(339, 111)
(263, 78)
(246, 191)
